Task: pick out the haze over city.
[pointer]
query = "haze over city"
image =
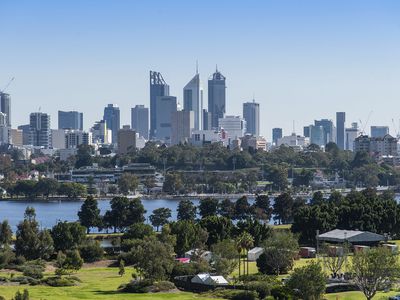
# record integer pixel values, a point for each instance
(300, 60)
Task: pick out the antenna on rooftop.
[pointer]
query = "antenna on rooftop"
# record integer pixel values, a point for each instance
(294, 131)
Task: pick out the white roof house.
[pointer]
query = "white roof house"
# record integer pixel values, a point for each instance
(255, 253)
(207, 279)
(351, 236)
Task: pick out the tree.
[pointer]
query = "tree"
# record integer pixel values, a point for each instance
(151, 258)
(160, 217)
(279, 253)
(68, 235)
(278, 175)
(149, 183)
(72, 189)
(89, 215)
(244, 242)
(374, 269)
(262, 208)
(208, 207)
(46, 187)
(117, 216)
(121, 268)
(22, 296)
(172, 183)
(72, 262)
(189, 235)
(186, 210)
(30, 242)
(127, 182)
(308, 282)
(334, 262)
(135, 212)
(84, 156)
(242, 208)
(283, 208)
(226, 208)
(218, 228)
(91, 251)
(5, 234)
(317, 198)
(138, 231)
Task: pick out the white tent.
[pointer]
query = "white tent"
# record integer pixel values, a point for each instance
(255, 253)
(207, 279)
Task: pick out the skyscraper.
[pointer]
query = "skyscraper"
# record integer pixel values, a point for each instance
(235, 126)
(158, 88)
(70, 120)
(206, 120)
(328, 130)
(276, 135)
(5, 106)
(126, 140)
(251, 113)
(182, 126)
(340, 130)
(317, 135)
(193, 100)
(166, 106)
(379, 131)
(216, 98)
(40, 132)
(112, 118)
(140, 120)
(4, 129)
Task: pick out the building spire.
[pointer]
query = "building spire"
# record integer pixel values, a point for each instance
(216, 68)
(197, 67)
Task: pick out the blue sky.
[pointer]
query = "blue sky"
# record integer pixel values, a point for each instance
(303, 60)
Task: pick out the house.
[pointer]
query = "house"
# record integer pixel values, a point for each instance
(206, 255)
(208, 279)
(307, 252)
(351, 236)
(360, 248)
(255, 253)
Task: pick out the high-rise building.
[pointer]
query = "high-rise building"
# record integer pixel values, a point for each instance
(5, 106)
(140, 120)
(166, 106)
(276, 135)
(251, 113)
(40, 132)
(100, 133)
(70, 120)
(379, 131)
(193, 100)
(317, 135)
(183, 123)
(306, 131)
(376, 146)
(4, 134)
(126, 140)
(235, 126)
(216, 98)
(206, 120)
(112, 118)
(340, 129)
(158, 88)
(26, 133)
(350, 137)
(328, 130)
(75, 138)
(58, 138)
(16, 137)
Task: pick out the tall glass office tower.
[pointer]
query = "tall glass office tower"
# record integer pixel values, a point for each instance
(193, 100)
(216, 97)
(158, 88)
(112, 118)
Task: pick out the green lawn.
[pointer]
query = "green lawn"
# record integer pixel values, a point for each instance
(357, 296)
(97, 283)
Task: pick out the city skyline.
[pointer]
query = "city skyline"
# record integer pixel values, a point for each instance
(296, 70)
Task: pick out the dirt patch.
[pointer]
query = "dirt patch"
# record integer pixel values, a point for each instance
(99, 264)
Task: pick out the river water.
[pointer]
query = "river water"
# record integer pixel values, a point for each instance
(49, 212)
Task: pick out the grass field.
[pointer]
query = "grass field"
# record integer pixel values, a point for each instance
(97, 283)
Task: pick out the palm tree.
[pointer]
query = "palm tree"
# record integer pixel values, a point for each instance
(248, 243)
(244, 242)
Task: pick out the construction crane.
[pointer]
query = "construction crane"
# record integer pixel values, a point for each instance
(396, 129)
(7, 85)
(364, 125)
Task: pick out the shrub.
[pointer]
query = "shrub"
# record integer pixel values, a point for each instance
(58, 281)
(245, 295)
(91, 251)
(33, 271)
(19, 260)
(234, 294)
(4, 279)
(25, 280)
(6, 257)
(137, 287)
(162, 286)
(281, 293)
(22, 296)
(262, 288)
